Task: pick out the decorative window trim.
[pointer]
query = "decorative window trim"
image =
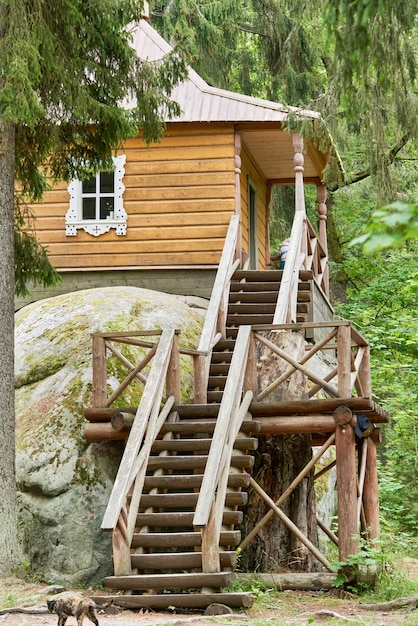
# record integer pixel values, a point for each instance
(96, 227)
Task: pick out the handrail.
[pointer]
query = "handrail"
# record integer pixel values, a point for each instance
(230, 417)
(144, 421)
(290, 272)
(218, 301)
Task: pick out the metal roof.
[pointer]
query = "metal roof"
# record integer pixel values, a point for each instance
(199, 101)
(257, 121)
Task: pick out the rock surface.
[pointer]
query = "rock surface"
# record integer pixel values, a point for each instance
(63, 482)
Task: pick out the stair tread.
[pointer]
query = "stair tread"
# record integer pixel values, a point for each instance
(179, 580)
(199, 445)
(191, 481)
(181, 518)
(181, 539)
(182, 500)
(193, 461)
(178, 560)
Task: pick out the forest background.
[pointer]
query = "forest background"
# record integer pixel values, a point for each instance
(355, 63)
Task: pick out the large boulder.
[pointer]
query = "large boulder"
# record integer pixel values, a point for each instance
(64, 482)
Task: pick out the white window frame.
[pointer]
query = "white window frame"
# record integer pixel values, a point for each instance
(74, 216)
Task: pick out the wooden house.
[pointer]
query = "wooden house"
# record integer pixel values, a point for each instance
(190, 215)
(170, 203)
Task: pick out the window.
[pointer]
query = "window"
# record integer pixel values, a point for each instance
(96, 205)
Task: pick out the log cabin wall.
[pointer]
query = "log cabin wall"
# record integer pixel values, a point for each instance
(250, 171)
(179, 197)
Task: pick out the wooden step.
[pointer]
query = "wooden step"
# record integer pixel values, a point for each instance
(252, 297)
(164, 601)
(187, 500)
(181, 540)
(217, 369)
(191, 481)
(216, 382)
(249, 319)
(196, 427)
(215, 396)
(199, 445)
(222, 357)
(173, 519)
(178, 560)
(267, 275)
(182, 462)
(251, 309)
(195, 580)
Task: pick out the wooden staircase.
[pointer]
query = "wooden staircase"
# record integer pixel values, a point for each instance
(165, 548)
(252, 300)
(166, 558)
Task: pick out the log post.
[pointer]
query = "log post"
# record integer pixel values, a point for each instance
(371, 493)
(364, 373)
(345, 450)
(173, 372)
(250, 378)
(99, 372)
(199, 369)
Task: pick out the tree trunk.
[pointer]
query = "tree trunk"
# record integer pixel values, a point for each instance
(9, 548)
(279, 459)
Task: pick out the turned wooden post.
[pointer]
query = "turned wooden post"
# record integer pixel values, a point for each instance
(238, 248)
(99, 372)
(345, 450)
(321, 191)
(298, 162)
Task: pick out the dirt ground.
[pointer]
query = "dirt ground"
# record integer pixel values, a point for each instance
(287, 608)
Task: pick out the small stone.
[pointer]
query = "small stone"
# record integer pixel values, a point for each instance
(218, 609)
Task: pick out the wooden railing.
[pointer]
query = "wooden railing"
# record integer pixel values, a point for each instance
(348, 349)
(215, 321)
(305, 252)
(147, 423)
(210, 504)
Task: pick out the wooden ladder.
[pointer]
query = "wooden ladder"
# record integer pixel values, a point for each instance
(166, 560)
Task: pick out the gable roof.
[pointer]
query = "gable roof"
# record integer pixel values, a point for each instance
(259, 120)
(199, 101)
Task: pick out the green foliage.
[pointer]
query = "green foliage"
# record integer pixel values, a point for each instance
(67, 69)
(389, 227)
(31, 262)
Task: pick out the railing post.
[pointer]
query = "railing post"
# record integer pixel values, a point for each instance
(200, 379)
(364, 373)
(371, 494)
(238, 248)
(346, 455)
(298, 161)
(99, 372)
(173, 372)
(321, 191)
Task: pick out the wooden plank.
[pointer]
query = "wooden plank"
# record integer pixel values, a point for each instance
(178, 560)
(169, 581)
(173, 519)
(194, 462)
(320, 405)
(191, 481)
(187, 500)
(182, 539)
